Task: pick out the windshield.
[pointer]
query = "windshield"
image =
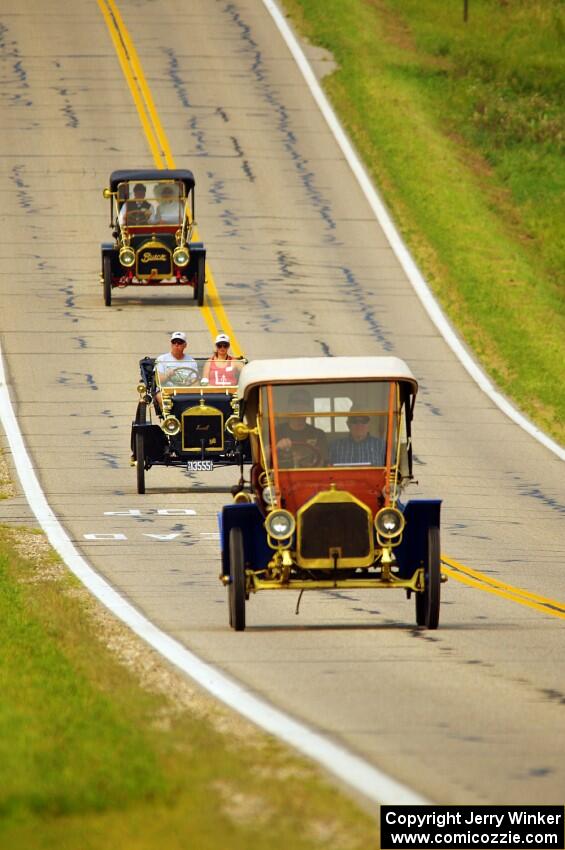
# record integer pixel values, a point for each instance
(330, 425)
(196, 372)
(152, 202)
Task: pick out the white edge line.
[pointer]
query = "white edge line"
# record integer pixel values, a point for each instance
(411, 270)
(351, 769)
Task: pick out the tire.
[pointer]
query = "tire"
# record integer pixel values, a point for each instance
(107, 268)
(200, 278)
(428, 602)
(140, 461)
(236, 587)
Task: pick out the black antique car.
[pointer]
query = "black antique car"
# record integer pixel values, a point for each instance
(193, 410)
(152, 220)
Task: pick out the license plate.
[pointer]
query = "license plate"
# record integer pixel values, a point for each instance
(200, 466)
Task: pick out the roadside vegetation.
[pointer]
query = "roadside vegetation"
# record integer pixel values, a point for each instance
(102, 745)
(463, 129)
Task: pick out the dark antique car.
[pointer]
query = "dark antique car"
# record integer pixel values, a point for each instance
(331, 452)
(184, 417)
(152, 221)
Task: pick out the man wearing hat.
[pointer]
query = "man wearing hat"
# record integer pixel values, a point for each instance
(360, 447)
(300, 444)
(168, 363)
(138, 210)
(221, 369)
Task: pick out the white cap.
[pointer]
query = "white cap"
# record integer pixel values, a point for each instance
(222, 338)
(178, 335)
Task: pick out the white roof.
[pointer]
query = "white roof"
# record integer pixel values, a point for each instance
(294, 370)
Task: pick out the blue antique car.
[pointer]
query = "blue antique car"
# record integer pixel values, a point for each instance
(184, 417)
(152, 217)
(331, 451)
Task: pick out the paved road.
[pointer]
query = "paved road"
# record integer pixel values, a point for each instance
(473, 713)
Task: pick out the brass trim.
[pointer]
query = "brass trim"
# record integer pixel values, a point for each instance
(415, 583)
(334, 496)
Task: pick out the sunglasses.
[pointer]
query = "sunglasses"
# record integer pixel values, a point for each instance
(222, 345)
(359, 420)
(178, 342)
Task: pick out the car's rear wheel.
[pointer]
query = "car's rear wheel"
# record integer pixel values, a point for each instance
(200, 278)
(107, 270)
(428, 602)
(140, 461)
(236, 587)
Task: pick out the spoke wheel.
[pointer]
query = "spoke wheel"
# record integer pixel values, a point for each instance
(428, 602)
(199, 285)
(140, 461)
(107, 268)
(236, 587)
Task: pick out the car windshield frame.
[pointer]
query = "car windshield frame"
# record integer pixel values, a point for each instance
(381, 400)
(161, 210)
(209, 375)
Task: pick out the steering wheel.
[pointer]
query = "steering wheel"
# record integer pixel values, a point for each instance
(135, 217)
(312, 456)
(184, 376)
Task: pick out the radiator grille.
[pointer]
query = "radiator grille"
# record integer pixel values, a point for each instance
(203, 430)
(336, 525)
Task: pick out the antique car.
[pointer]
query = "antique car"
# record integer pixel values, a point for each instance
(152, 220)
(183, 417)
(331, 453)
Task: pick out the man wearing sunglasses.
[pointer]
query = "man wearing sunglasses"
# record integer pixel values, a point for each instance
(360, 448)
(169, 364)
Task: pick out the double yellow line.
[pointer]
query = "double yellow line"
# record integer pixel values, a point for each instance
(213, 310)
(473, 578)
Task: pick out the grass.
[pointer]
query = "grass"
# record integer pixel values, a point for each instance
(463, 129)
(104, 746)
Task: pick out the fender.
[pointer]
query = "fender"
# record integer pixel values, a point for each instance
(420, 514)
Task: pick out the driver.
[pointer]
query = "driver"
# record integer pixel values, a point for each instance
(298, 442)
(138, 210)
(167, 364)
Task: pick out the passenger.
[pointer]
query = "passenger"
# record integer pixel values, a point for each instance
(139, 210)
(359, 447)
(168, 210)
(174, 363)
(300, 444)
(222, 369)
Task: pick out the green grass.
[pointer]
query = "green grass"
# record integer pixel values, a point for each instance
(91, 759)
(462, 127)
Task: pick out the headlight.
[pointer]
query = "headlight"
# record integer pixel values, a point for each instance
(389, 522)
(280, 525)
(127, 256)
(269, 495)
(170, 425)
(181, 256)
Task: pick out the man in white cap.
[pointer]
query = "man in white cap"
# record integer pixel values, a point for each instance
(222, 369)
(177, 362)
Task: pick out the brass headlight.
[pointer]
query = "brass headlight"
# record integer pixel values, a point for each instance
(280, 525)
(170, 425)
(389, 523)
(181, 256)
(127, 256)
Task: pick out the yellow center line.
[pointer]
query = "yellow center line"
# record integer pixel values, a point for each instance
(160, 148)
(476, 579)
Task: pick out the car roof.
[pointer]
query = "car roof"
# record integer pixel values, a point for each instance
(293, 370)
(122, 176)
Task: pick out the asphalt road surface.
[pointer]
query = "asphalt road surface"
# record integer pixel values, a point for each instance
(472, 713)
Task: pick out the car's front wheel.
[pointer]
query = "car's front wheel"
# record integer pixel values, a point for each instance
(236, 587)
(140, 461)
(199, 284)
(107, 269)
(428, 601)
